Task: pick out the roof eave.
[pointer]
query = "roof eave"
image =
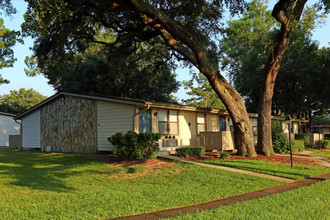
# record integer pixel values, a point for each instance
(117, 100)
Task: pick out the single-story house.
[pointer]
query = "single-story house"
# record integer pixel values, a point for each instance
(69, 122)
(322, 127)
(7, 127)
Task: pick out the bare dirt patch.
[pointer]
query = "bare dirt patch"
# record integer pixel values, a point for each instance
(115, 161)
(149, 165)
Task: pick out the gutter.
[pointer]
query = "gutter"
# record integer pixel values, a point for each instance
(143, 110)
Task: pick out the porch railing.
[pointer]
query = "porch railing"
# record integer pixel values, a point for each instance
(217, 140)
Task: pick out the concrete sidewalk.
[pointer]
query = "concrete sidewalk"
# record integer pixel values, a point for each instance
(324, 161)
(227, 201)
(226, 168)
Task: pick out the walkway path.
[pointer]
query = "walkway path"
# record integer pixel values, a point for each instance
(291, 184)
(324, 161)
(227, 168)
(227, 201)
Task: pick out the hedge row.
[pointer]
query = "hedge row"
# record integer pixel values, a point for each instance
(190, 151)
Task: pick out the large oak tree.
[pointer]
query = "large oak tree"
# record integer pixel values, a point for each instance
(247, 43)
(188, 28)
(287, 13)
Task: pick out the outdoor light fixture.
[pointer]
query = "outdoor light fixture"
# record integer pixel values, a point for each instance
(288, 120)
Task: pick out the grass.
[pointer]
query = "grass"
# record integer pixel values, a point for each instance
(276, 169)
(322, 153)
(310, 202)
(67, 186)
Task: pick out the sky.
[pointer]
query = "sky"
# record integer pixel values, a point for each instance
(18, 79)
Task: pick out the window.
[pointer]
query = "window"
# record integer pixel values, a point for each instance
(222, 123)
(231, 125)
(162, 114)
(145, 121)
(200, 122)
(168, 122)
(255, 127)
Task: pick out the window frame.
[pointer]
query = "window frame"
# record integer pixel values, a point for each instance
(148, 111)
(231, 125)
(169, 121)
(254, 126)
(198, 123)
(222, 119)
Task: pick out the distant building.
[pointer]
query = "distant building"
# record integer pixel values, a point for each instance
(7, 127)
(320, 127)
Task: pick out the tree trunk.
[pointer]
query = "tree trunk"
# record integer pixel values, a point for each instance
(288, 22)
(265, 144)
(237, 111)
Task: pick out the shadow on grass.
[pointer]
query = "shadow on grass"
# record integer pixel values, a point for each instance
(41, 171)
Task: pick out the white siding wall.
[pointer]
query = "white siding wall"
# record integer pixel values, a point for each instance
(188, 132)
(295, 127)
(31, 130)
(7, 127)
(112, 118)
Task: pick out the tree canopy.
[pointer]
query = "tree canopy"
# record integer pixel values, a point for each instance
(18, 101)
(248, 42)
(7, 41)
(259, 53)
(245, 46)
(77, 52)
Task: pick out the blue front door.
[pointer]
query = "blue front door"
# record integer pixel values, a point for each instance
(145, 121)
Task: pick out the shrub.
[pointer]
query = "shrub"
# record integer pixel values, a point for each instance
(224, 155)
(281, 147)
(133, 146)
(325, 144)
(327, 137)
(280, 143)
(190, 151)
(298, 145)
(304, 137)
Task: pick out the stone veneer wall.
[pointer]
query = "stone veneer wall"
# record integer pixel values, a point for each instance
(68, 124)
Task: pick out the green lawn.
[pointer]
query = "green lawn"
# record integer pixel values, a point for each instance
(276, 169)
(67, 186)
(322, 153)
(309, 202)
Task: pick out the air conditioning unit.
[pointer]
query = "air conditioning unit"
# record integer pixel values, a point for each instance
(170, 142)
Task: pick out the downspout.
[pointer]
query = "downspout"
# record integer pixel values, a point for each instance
(20, 135)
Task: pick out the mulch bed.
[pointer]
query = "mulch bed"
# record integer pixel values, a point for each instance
(150, 164)
(113, 160)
